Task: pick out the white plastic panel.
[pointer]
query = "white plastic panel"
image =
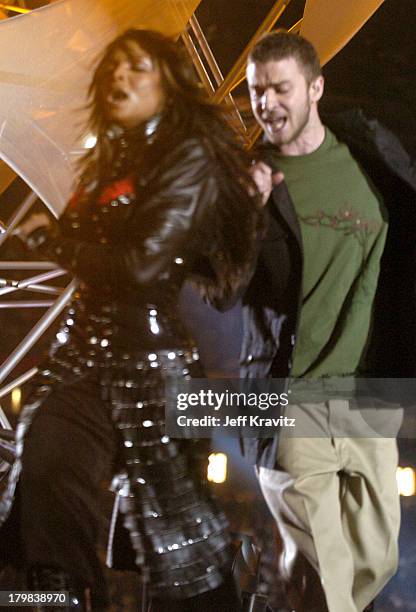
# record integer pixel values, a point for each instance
(46, 62)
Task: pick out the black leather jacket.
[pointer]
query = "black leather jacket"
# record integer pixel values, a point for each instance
(133, 245)
(272, 302)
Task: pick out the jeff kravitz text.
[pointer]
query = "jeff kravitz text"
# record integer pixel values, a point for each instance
(240, 421)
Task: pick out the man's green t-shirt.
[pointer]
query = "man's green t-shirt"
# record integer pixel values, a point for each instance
(344, 225)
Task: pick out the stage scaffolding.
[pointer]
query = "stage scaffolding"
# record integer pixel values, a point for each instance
(53, 299)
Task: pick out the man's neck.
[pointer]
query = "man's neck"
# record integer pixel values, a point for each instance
(308, 141)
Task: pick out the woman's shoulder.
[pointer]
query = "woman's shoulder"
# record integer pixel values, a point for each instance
(191, 150)
(191, 143)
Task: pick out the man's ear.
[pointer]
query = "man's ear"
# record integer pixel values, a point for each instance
(316, 89)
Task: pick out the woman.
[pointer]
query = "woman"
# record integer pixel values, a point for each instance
(163, 195)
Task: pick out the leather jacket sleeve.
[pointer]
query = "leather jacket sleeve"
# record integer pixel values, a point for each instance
(175, 199)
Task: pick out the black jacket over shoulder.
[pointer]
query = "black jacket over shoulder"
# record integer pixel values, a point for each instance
(134, 241)
(271, 305)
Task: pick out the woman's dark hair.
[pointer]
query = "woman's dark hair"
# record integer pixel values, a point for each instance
(230, 232)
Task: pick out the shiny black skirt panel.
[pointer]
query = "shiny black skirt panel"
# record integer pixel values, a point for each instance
(96, 413)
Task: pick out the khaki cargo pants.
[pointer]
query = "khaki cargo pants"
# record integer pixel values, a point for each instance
(336, 504)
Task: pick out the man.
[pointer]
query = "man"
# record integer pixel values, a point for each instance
(332, 296)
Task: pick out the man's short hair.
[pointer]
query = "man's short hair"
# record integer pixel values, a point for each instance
(282, 44)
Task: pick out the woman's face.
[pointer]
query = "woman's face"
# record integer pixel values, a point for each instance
(131, 86)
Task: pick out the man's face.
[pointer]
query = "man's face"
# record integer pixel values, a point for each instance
(131, 86)
(281, 99)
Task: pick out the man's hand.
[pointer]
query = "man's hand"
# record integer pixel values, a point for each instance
(31, 224)
(265, 179)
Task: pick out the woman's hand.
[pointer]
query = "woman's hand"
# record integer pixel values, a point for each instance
(31, 224)
(265, 180)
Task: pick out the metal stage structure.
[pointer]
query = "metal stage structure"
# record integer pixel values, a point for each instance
(52, 299)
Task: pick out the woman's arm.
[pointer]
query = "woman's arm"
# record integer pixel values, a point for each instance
(184, 184)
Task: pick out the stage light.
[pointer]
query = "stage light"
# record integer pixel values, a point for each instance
(16, 400)
(217, 467)
(406, 481)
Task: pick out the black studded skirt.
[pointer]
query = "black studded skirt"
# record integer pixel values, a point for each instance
(178, 535)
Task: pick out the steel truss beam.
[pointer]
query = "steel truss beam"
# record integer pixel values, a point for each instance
(13, 8)
(221, 88)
